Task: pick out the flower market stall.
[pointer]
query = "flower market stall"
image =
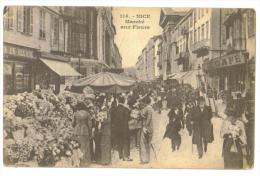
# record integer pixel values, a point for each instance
(38, 129)
(104, 82)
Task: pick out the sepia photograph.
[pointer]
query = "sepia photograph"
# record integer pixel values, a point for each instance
(129, 87)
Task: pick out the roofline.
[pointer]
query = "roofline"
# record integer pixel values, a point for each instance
(184, 18)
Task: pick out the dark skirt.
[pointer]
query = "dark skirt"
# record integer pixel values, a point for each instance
(232, 160)
(85, 148)
(105, 149)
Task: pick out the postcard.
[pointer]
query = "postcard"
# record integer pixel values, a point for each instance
(129, 87)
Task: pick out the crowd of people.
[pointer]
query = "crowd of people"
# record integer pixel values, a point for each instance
(130, 114)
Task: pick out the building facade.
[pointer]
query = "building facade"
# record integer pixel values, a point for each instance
(168, 20)
(44, 46)
(212, 50)
(90, 39)
(140, 65)
(190, 42)
(214, 47)
(234, 68)
(148, 68)
(33, 47)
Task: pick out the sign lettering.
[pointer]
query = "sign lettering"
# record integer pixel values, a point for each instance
(224, 61)
(20, 52)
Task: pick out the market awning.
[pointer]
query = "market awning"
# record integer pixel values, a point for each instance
(178, 76)
(61, 68)
(171, 75)
(191, 78)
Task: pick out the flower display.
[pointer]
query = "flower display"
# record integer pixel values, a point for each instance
(38, 126)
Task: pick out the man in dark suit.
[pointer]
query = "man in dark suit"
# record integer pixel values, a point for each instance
(122, 116)
(202, 126)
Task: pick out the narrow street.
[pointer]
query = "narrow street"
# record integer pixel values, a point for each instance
(186, 157)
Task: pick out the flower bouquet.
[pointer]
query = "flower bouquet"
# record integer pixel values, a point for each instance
(135, 114)
(101, 115)
(234, 132)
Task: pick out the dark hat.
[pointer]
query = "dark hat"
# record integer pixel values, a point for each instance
(146, 100)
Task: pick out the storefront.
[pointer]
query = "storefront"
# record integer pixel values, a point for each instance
(53, 71)
(228, 72)
(18, 68)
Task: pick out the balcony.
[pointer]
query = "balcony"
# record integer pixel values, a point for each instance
(183, 54)
(201, 48)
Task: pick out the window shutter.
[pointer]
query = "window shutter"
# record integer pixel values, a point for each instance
(52, 31)
(20, 21)
(31, 21)
(6, 20)
(10, 16)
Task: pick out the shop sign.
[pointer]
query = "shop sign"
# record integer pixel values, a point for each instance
(18, 51)
(225, 61)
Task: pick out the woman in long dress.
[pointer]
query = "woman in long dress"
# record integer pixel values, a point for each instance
(173, 128)
(82, 131)
(146, 132)
(105, 140)
(233, 133)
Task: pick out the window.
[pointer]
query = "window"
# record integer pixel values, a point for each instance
(81, 16)
(42, 25)
(191, 21)
(198, 34)
(177, 49)
(9, 19)
(61, 26)
(25, 20)
(180, 46)
(198, 13)
(55, 30)
(207, 10)
(207, 30)
(202, 12)
(244, 27)
(17, 77)
(184, 45)
(229, 32)
(191, 37)
(237, 28)
(195, 16)
(202, 32)
(94, 33)
(195, 36)
(251, 23)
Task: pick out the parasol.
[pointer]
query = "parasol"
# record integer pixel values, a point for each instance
(104, 82)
